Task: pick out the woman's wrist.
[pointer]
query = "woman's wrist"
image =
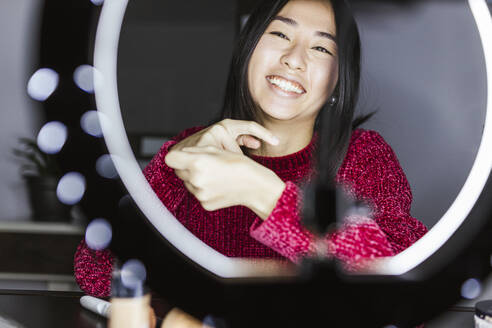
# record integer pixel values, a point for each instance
(268, 193)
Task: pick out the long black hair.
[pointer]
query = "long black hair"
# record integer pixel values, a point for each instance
(335, 121)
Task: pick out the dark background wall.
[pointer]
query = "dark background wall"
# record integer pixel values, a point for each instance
(173, 63)
(423, 69)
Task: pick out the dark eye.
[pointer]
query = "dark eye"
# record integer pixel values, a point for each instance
(322, 50)
(280, 35)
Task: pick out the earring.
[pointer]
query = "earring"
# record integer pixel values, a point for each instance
(333, 101)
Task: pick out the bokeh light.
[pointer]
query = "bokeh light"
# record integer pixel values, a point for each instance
(209, 321)
(98, 234)
(52, 137)
(124, 200)
(90, 123)
(471, 289)
(105, 167)
(213, 322)
(359, 209)
(84, 76)
(71, 188)
(42, 84)
(133, 274)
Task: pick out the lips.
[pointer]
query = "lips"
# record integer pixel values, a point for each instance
(286, 85)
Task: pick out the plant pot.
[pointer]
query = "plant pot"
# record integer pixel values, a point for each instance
(45, 205)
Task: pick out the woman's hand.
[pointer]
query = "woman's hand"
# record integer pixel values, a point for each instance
(219, 178)
(229, 135)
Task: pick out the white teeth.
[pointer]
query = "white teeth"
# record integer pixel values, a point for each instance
(285, 85)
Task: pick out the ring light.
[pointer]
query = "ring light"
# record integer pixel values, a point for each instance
(106, 92)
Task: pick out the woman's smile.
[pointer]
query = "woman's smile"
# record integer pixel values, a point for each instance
(285, 87)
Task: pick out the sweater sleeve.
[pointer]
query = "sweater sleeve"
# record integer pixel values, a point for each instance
(358, 238)
(92, 269)
(377, 177)
(373, 171)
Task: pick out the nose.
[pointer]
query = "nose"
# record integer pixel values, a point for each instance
(294, 59)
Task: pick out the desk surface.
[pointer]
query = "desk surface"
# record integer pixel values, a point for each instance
(39, 309)
(52, 309)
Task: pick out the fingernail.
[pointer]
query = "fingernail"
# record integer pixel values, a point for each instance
(275, 141)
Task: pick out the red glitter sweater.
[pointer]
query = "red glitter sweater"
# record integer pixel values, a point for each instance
(370, 170)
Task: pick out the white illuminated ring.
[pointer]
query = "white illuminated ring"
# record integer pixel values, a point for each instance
(106, 91)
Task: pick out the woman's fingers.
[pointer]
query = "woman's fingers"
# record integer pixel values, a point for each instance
(224, 139)
(201, 150)
(187, 156)
(182, 174)
(178, 160)
(238, 128)
(230, 134)
(190, 188)
(248, 141)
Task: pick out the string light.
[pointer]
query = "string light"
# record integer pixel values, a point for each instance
(52, 137)
(71, 188)
(42, 84)
(133, 273)
(471, 289)
(84, 76)
(98, 234)
(105, 167)
(90, 123)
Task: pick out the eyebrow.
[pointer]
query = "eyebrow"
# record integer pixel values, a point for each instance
(292, 22)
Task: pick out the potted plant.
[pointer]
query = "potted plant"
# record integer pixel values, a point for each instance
(41, 174)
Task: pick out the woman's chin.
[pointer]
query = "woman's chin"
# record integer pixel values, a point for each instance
(281, 117)
(281, 114)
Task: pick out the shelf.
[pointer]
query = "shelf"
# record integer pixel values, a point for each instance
(41, 228)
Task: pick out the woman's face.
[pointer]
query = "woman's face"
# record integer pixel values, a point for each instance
(294, 67)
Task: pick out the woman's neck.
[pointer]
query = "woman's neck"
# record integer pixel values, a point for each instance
(293, 137)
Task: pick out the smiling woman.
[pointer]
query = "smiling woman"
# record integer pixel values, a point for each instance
(287, 120)
(294, 68)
